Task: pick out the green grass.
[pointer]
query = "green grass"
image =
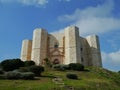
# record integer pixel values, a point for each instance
(94, 79)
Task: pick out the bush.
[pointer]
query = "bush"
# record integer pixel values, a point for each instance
(1, 71)
(37, 70)
(2, 77)
(11, 64)
(18, 75)
(61, 67)
(13, 75)
(29, 63)
(27, 75)
(47, 63)
(23, 69)
(76, 66)
(72, 76)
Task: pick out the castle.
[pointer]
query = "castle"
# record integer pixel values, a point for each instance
(62, 48)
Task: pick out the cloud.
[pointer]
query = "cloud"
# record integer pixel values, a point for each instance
(113, 57)
(111, 60)
(97, 25)
(95, 20)
(65, 0)
(27, 2)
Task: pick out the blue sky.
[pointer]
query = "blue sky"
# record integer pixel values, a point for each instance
(18, 19)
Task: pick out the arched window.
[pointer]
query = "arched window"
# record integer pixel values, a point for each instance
(56, 45)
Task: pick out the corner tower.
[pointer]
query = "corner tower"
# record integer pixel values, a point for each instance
(72, 45)
(39, 47)
(93, 42)
(26, 50)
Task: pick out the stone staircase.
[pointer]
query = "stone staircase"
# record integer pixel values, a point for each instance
(59, 81)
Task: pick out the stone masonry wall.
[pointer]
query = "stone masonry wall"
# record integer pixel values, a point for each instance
(26, 50)
(95, 50)
(72, 45)
(39, 48)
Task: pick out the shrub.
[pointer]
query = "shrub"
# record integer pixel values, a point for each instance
(18, 75)
(76, 66)
(1, 71)
(47, 63)
(11, 64)
(0, 65)
(23, 69)
(71, 76)
(58, 67)
(37, 70)
(2, 77)
(61, 67)
(27, 75)
(29, 63)
(12, 75)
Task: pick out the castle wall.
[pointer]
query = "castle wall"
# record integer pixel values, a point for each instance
(59, 38)
(26, 50)
(56, 39)
(72, 45)
(84, 51)
(93, 41)
(39, 48)
(71, 48)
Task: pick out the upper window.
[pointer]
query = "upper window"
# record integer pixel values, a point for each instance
(81, 49)
(82, 59)
(56, 45)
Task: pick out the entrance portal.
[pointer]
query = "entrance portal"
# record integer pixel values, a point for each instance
(56, 61)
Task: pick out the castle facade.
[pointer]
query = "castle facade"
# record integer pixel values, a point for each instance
(62, 48)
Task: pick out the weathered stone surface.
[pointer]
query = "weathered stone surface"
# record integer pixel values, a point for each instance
(63, 48)
(93, 41)
(26, 50)
(72, 45)
(39, 48)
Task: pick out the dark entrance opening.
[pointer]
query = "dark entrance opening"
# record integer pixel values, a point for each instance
(56, 61)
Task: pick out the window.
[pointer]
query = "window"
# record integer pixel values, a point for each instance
(56, 45)
(81, 49)
(82, 60)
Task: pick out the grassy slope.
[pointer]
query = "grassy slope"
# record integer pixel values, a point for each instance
(95, 79)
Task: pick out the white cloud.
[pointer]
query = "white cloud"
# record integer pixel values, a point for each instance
(98, 25)
(95, 20)
(27, 2)
(111, 60)
(113, 57)
(65, 0)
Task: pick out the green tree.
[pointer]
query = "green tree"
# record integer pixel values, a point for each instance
(11, 64)
(29, 63)
(47, 62)
(76, 66)
(37, 70)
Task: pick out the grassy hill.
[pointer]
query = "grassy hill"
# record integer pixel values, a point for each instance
(91, 79)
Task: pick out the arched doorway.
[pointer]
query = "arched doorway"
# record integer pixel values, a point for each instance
(56, 61)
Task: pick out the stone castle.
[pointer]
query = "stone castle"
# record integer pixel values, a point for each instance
(62, 48)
